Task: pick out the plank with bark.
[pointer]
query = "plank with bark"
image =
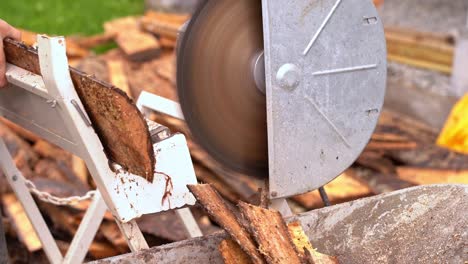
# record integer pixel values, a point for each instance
(232, 253)
(115, 118)
(271, 233)
(221, 214)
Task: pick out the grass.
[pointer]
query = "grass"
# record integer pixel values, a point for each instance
(66, 17)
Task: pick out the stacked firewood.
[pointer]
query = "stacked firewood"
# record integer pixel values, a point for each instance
(402, 153)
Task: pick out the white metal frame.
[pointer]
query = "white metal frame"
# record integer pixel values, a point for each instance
(50, 107)
(148, 102)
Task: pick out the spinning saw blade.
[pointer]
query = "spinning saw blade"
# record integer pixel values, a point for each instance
(221, 103)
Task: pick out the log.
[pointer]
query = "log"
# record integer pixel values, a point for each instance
(271, 233)
(119, 124)
(221, 214)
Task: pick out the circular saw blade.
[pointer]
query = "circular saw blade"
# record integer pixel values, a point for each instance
(224, 110)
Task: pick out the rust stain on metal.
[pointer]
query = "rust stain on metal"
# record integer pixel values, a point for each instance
(168, 189)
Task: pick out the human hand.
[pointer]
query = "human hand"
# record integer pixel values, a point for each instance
(6, 31)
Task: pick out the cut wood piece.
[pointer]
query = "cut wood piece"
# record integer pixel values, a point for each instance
(167, 17)
(430, 156)
(24, 156)
(138, 45)
(380, 164)
(168, 30)
(167, 43)
(271, 233)
(420, 49)
(163, 24)
(232, 253)
(112, 233)
(425, 176)
(388, 136)
(377, 182)
(117, 76)
(73, 49)
(383, 145)
(304, 247)
(80, 169)
(50, 151)
(395, 123)
(90, 42)
(119, 124)
(344, 188)
(20, 131)
(24, 229)
(121, 25)
(221, 214)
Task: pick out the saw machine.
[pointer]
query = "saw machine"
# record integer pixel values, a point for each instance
(289, 91)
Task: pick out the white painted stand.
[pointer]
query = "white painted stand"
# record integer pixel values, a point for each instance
(148, 102)
(50, 107)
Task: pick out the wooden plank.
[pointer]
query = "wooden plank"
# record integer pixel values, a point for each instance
(90, 42)
(163, 24)
(420, 49)
(424, 176)
(21, 223)
(271, 233)
(119, 124)
(232, 253)
(117, 76)
(221, 214)
(138, 45)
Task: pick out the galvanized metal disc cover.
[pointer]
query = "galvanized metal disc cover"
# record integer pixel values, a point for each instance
(224, 109)
(325, 68)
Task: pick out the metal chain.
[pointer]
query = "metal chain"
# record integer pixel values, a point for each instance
(49, 198)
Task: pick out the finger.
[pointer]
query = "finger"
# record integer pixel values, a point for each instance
(7, 31)
(2, 65)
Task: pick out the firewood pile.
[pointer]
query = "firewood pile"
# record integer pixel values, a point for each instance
(402, 153)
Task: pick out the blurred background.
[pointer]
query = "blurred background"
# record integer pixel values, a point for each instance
(421, 138)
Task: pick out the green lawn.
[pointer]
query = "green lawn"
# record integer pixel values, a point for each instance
(66, 17)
